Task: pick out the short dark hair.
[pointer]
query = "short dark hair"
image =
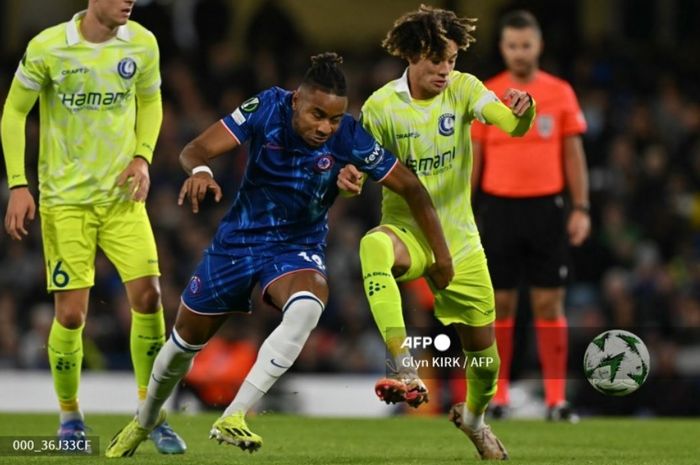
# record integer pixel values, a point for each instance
(325, 74)
(425, 32)
(519, 19)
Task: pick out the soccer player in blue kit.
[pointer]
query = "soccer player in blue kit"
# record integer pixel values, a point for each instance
(274, 234)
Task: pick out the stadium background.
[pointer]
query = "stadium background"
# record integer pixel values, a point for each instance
(634, 66)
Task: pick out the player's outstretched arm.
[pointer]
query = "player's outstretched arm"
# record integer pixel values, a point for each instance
(516, 118)
(402, 181)
(194, 159)
(21, 206)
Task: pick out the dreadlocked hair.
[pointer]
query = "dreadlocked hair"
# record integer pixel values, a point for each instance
(425, 32)
(325, 74)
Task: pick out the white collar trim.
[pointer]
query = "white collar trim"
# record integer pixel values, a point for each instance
(73, 35)
(401, 87)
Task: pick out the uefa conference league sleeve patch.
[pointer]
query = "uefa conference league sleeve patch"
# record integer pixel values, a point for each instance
(249, 106)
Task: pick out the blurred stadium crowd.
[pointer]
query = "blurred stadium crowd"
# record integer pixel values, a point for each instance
(640, 270)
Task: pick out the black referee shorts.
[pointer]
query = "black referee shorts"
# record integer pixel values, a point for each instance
(525, 240)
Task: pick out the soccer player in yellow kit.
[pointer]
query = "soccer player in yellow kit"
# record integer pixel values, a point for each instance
(425, 116)
(89, 75)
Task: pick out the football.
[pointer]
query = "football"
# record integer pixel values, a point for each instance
(616, 363)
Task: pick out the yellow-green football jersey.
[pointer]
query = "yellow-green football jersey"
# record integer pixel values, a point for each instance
(87, 107)
(432, 138)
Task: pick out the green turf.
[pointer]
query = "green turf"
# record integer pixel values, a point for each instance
(401, 441)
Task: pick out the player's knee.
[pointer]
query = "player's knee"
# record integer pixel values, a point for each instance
(71, 308)
(71, 320)
(377, 246)
(189, 334)
(70, 317)
(547, 304)
(548, 310)
(148, 300)
(506, 304)
(185, 340)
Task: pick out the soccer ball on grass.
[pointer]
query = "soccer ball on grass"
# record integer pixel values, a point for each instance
(616, 363)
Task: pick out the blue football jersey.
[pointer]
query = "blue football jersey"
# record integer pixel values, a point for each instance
(288, 185)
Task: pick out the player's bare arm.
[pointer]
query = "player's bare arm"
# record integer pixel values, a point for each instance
(213, 142)
(402, 181)
(579, 223)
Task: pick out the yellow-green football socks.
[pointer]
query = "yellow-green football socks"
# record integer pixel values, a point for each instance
(377, 258)
(482, 377)
(65, 347)
(146, 338)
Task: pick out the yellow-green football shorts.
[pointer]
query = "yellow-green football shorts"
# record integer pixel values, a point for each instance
(469, 298)
(71, 235)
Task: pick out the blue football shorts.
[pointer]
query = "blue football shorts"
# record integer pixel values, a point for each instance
(223, 282)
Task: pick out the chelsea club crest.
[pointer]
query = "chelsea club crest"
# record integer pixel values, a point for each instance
(324, 162)
(195, 285)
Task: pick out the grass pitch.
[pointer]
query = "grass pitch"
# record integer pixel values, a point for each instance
(400, 440)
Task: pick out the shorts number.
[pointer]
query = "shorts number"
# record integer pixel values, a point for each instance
(59, 277)
(314, 258)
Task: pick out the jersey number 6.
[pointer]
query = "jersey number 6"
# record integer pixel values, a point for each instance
(59, 277)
